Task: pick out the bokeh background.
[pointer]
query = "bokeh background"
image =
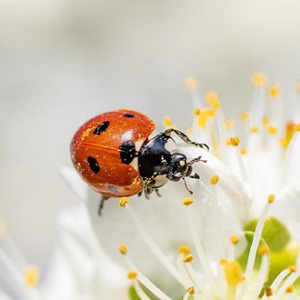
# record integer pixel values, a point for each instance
(64, 61)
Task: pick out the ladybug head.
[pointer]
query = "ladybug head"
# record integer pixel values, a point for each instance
(181, 168)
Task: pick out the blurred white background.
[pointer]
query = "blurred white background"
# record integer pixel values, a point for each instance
(64, 61)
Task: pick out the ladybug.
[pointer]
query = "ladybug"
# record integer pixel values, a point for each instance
(114, 155)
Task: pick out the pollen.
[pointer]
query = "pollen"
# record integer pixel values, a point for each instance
(204, 117)
(263, 250)
(266, 121)
(271, 198)
(297, 127)
(272, 130)
(292, 269)
(243, 151)
(123, 249)
(290, 289)
(188, 258)
(254, 129)
(259, 79)
(213, 100)
(245, 116)
(234, 141)
(234, 239)
(184, 250)
(191, 83)
(32, 276)
(167, 121)
(187, 201)
(223, 261)
(132, 275)
(196, 111)
(274, 91)
(269, 291)
(229, 124)
(214, 180)
(233, 273)
(191, 290)
(123, 201)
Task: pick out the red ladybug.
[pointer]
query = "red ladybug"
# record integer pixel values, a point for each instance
(114, 155)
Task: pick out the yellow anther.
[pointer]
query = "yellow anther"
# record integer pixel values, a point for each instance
(32, 276)
(263, 250)
(123, 249)
(229, 124)
(269, 291)
(234, 141)
(204, 116)
(297, 127)
(188, 258)
(223, 261)
(245, 116)
(189, 130)
(234, 239)
(187, 201)
(293, 269)
(243, 151)
(132, 275)
(191, 83)
(184, 250)
(214, 180)
(254, 129)
(167, 121)
(272, 130)
(123, 201)
(266, 121)
(290, 289)
(196, 111)
(213, 100)
(274, 91)
(290, 128)
(271, 198)
(191, 290)
(233, 273)
(259, 79)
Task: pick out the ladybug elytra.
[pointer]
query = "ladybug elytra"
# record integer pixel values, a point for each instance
(114, 155)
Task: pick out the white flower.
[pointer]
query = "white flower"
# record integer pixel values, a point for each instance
(238, 236)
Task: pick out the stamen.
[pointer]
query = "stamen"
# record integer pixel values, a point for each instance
(234, 239)
(152, 245)
(259, 79)
(191, 83)
(123, 249)
(213, 100)
(274, 91)
(188, 258)
(196, 112)
(229, 124)
(254, 129)
(272, 130)
(132, 275)
(263, 274)
(233, 273)
(167, 122)
(214, 180)
(268, 292)
(187, 201)
(191, 290)
(223, 261)
(243, 151)
(290, 289)
(184, 250)
(32, 276)
(234, 141)
(245, 116)
(124, 201)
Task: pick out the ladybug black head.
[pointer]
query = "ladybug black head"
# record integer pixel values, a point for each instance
(179, 167)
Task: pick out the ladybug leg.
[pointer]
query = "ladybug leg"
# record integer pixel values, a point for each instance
(157, 192)
(184, 137)
(101, 204)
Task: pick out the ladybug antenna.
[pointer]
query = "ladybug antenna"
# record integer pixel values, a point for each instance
(187, 188)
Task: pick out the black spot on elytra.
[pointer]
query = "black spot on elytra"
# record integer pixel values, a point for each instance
(93, 164)
(101, 128)
(129, 115)
(127, 152)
